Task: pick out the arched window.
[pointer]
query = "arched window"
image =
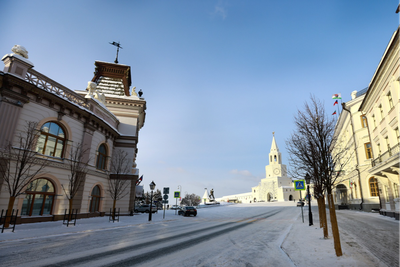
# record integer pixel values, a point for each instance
(51, 140)
(396, 190)
(373, 187)
(39, 198)
(101, 157)
(95, 199)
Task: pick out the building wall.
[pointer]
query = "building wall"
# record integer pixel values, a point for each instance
(82, 127)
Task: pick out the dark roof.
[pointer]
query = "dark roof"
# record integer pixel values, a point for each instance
(361, 92)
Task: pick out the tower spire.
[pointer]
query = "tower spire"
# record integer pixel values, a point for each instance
(274, 154)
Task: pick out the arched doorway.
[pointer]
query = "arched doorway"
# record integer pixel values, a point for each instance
(95, 199)
(290, 198)
(39, 198)
(269, 197)
(341, 194)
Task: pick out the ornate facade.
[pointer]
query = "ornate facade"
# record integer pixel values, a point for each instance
(104, 118)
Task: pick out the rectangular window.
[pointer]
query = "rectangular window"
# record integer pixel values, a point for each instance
(364, 123)
(387, 194)
(381, 111)
(389, 96)
(396, 190)
(397, 134)
(374, 120)
(368, 150)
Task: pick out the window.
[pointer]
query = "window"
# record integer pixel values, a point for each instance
(39, 198)
(95, 199)
(373, 186)
(368, 150)
(374, 120)
(396, 190)
(364, 123)
(389, 96)
(381, 111)
(387, 193)
(101, 157)
(388, 144)
(51, 140)
(397, 134)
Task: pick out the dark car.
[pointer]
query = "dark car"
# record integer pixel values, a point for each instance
(300, 204)
(187, 211)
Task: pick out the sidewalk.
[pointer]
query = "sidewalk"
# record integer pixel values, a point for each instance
(306, 246)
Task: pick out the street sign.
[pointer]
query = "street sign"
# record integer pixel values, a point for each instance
(299, 185)
(177, 194)
(166, 190)
(165, 197)
(165, 201)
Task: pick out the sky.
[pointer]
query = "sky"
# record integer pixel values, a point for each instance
(219, 77)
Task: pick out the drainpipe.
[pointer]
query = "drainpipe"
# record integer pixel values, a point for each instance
(355, 149)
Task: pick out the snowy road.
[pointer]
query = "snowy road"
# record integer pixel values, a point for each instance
(227, 236)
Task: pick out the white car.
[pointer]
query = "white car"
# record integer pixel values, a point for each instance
(175, 207)
(146, 208)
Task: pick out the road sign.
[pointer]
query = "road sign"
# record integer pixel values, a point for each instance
(166, 190)
(165, 201)
(299, 185)
(177, 194)
(165, 197)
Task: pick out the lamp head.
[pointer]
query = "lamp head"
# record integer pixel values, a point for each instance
(307, 178)
(152, 185)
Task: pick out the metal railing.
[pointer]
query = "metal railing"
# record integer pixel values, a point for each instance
(385, 156)
(114, 216)
(69, 217)
(13, 220)
(51, 86)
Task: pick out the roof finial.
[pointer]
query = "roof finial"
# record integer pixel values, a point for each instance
(273, 133)
(118, 47)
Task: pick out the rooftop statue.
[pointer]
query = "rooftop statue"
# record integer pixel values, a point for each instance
(20, 50)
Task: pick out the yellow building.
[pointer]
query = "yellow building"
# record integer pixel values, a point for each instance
(381, 108)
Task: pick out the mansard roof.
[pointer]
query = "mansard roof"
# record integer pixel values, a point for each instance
(112, 79)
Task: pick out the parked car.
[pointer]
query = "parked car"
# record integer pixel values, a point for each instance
(187, 211)
(146, 208)
(300, 204)
(175, 207)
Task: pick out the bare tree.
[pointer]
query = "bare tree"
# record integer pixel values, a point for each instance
(310, 151)
(78, 170)
(191, 200)
(117, 183)
(19, 165)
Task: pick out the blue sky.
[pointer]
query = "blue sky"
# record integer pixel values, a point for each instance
(218, 76)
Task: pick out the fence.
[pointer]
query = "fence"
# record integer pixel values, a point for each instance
(70, 216)
(115, 217)
(13, 220)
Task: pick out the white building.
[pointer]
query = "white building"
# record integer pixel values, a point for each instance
(276, 186)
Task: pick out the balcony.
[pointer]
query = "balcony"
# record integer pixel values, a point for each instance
(385, 156)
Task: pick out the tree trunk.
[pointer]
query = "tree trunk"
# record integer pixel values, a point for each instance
(9, 210)
(324, 219)
(113, 209)
(335, 228)
(70, 209)
(319, 201)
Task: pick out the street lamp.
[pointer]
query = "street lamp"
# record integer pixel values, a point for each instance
(152, 186)
(308, 180)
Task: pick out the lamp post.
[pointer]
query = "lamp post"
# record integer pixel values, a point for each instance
(308, 180)
(152, 186)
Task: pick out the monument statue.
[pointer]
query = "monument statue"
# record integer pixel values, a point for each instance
(212, 194)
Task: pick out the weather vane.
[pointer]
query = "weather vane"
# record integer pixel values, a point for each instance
(118, 47)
